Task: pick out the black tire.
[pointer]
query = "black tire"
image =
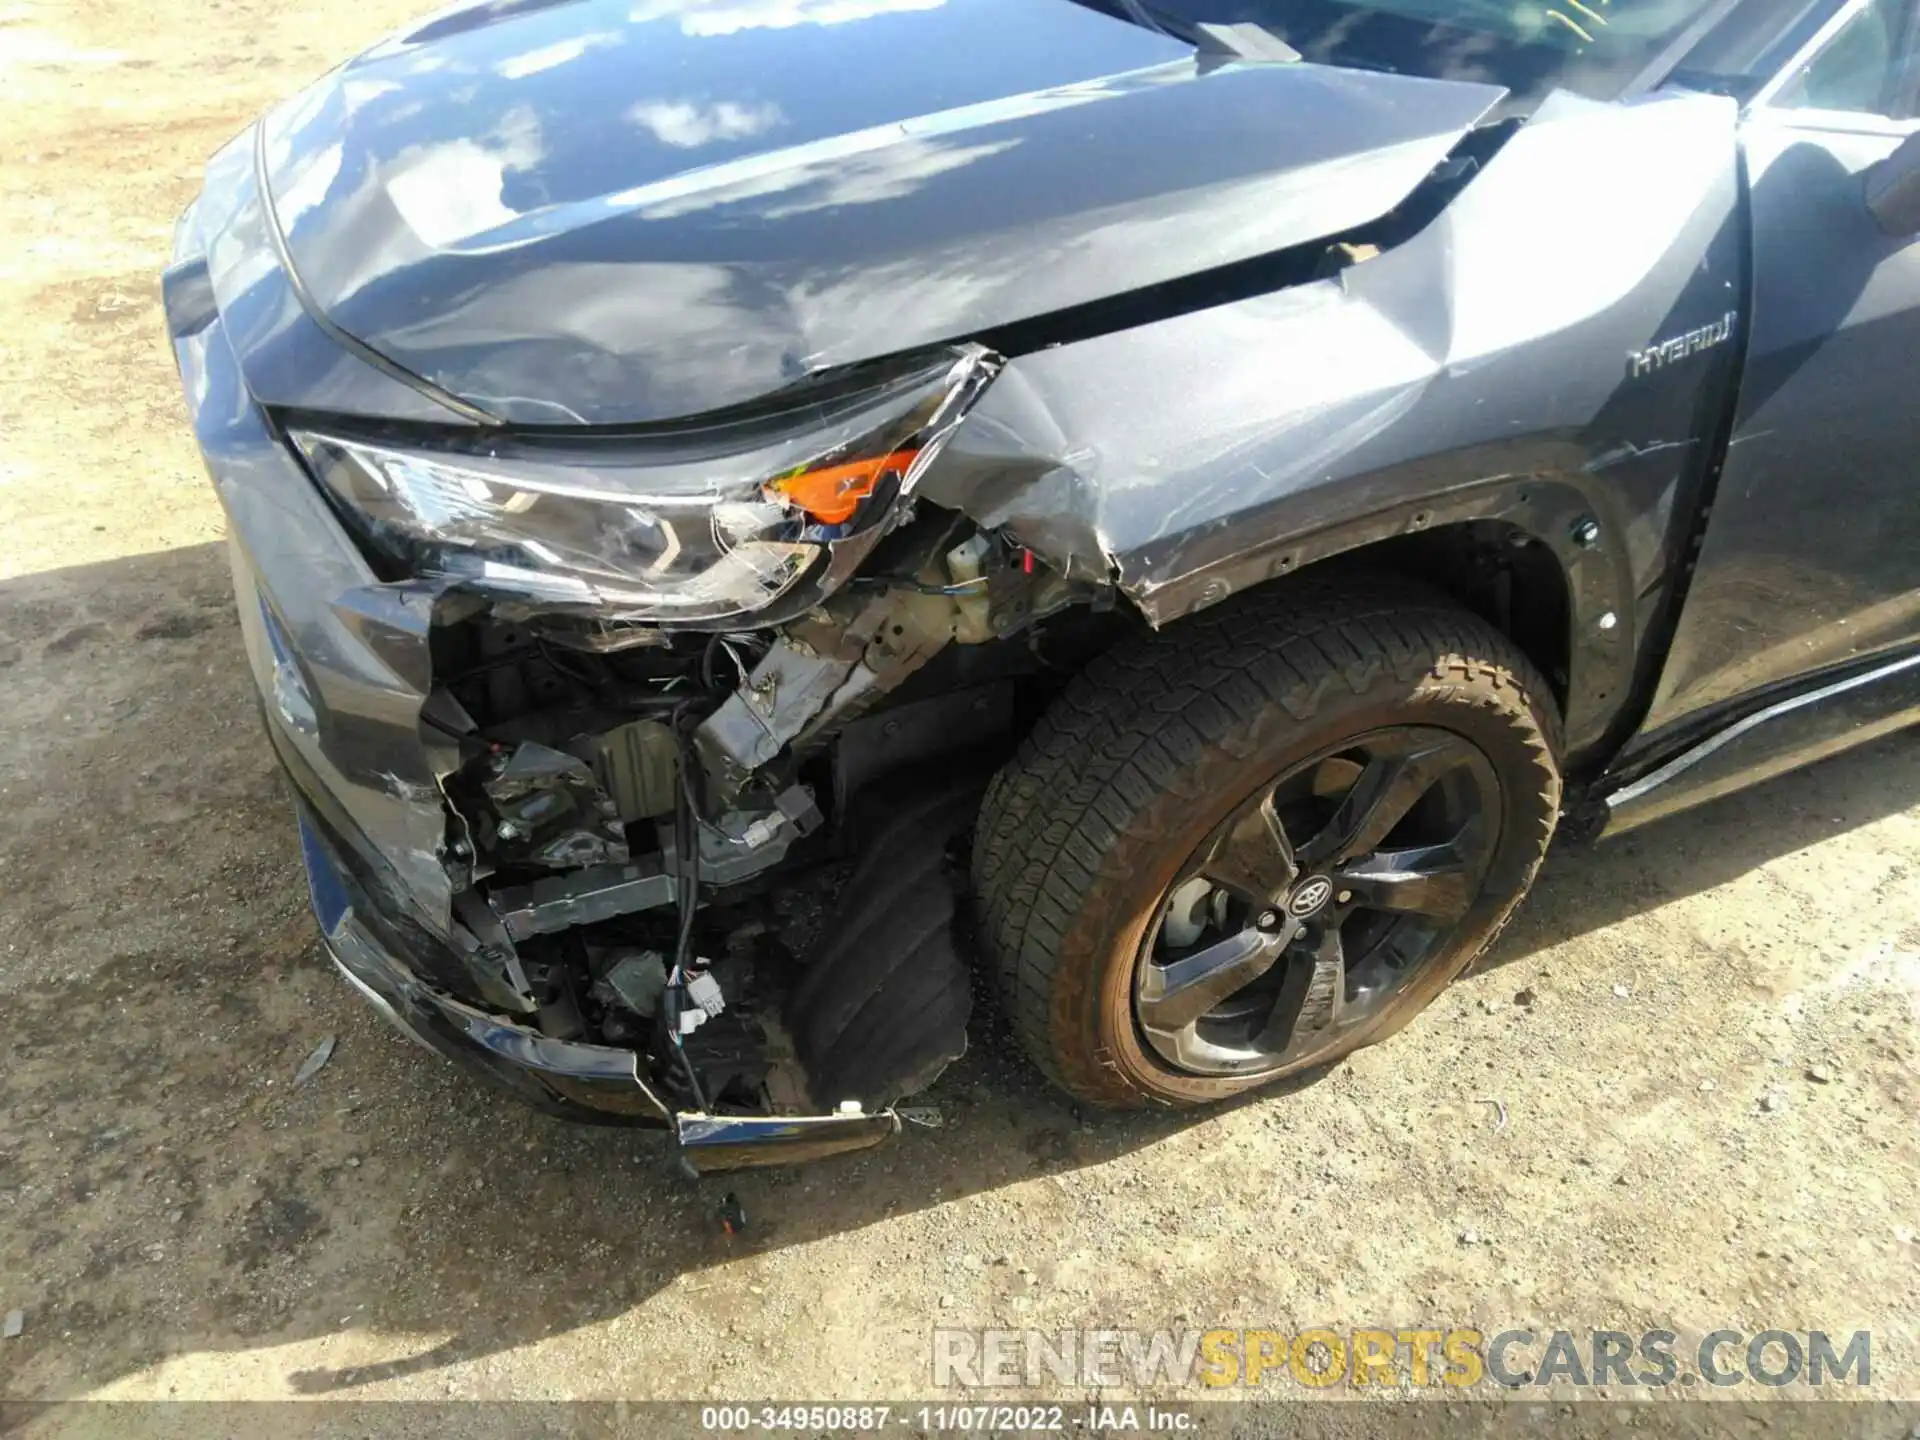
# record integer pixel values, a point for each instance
(1085, 830)
(883, 1007)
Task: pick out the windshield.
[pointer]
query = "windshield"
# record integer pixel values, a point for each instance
(1593, 47)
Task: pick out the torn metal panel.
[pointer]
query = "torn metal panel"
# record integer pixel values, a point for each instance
(1192, 455)
(789, 686)
(822, 670)
(1013, 467)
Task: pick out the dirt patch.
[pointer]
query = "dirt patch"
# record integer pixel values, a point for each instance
(176, 626)
(177, 1219)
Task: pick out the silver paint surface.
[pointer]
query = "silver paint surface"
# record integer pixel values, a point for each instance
(600, 213)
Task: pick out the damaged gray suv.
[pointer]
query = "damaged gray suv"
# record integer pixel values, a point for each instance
(747, 513)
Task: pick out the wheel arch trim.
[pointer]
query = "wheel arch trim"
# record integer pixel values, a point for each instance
(1573, 524)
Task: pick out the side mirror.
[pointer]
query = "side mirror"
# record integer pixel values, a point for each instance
(1893, 189)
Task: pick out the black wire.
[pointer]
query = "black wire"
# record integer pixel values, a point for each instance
(686, 845)
(583, 676)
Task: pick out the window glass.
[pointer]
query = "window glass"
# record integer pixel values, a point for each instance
(1532, 47)
(1861, 70)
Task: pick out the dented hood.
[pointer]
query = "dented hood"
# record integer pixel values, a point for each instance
(625, 211)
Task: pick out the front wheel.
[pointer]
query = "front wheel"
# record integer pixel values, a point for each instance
(1252, 844)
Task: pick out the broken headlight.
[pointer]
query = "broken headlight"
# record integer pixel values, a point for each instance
(696, 526)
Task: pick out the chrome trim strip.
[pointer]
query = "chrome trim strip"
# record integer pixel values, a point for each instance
(715, 1144)
(1687, 759)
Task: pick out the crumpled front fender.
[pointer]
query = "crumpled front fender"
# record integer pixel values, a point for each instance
(1190, 458)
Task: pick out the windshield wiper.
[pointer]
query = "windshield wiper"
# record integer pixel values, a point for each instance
(1245, 41)
(1712, 82)
(1217, 40)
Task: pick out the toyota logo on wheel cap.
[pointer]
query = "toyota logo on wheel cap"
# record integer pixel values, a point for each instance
(1309, 896)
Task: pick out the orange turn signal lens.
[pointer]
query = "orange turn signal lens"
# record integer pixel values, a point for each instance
(832, 493)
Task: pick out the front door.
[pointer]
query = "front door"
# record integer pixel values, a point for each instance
(1812, 552)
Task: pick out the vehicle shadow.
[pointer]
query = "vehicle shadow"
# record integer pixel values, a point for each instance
(173, 1192)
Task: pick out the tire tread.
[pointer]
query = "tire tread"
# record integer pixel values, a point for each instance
(1135, 723)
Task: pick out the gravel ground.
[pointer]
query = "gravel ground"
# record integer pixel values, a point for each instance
(1703, 1035)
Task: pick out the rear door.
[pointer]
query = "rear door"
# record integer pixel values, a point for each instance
(1812, 552)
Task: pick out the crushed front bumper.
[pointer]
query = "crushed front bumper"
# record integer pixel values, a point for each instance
(583, 1082)
(342, 664)
(597, 1083)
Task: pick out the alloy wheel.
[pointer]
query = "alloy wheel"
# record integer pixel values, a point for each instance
(1311, 909)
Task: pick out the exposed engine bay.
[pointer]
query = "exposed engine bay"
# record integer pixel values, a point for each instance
(717, 817)
(658, 840)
